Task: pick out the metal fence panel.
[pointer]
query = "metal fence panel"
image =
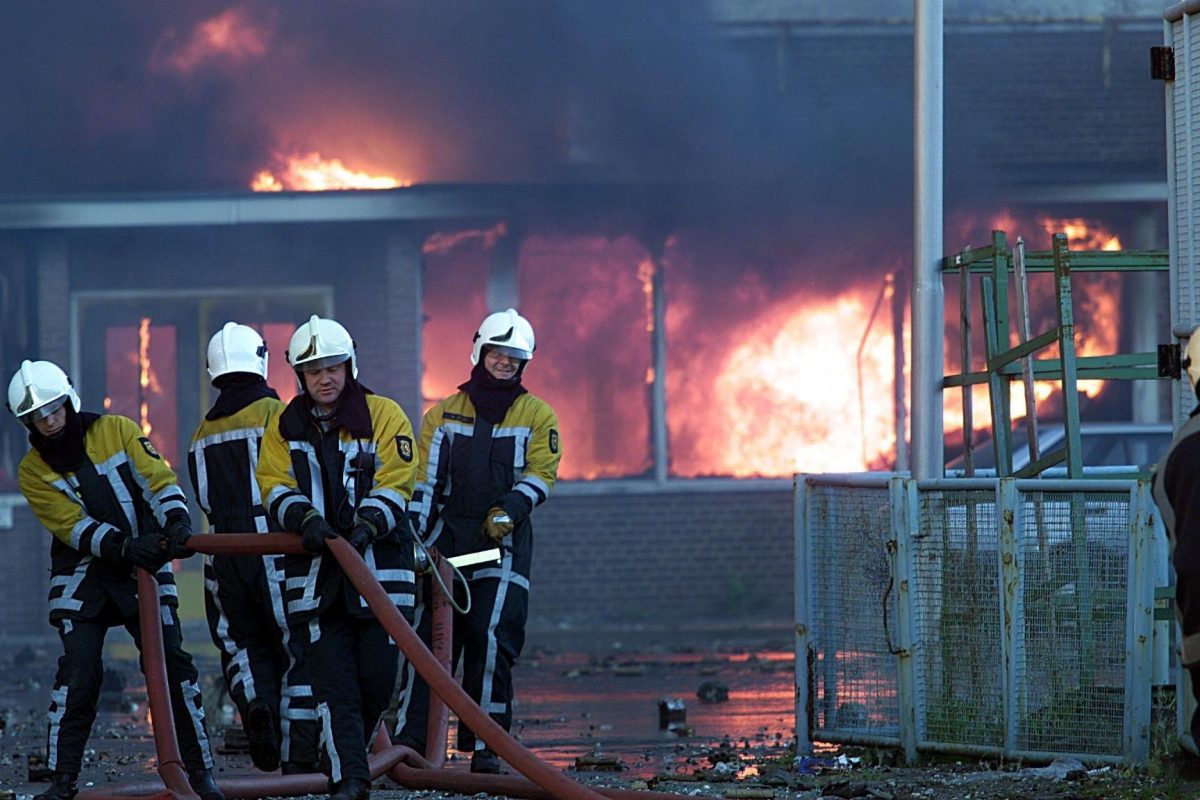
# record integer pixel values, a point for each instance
(1024, 606)
(1071, 673)
(853, 615)
(956, 610)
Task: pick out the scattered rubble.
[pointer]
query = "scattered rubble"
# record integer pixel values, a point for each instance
(759, 763)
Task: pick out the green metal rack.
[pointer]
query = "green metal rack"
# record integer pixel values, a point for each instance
(995, 264)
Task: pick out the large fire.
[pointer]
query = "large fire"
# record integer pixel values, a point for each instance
(309, 172)
(760, 381)
(785, 396)
(1096, 299)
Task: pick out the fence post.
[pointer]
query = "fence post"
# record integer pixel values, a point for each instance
(905, 521)
(1139, 626)
(1012, 610)
(803, 616)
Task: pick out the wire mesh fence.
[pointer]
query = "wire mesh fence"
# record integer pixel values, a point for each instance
(956, 647)
(854, 673)
(976, 616)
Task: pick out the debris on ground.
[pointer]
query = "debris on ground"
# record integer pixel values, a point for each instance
(731, 749)
(713, 692)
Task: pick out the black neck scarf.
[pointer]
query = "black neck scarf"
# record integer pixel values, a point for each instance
(491, 397)
(351, 413)
(238, 390)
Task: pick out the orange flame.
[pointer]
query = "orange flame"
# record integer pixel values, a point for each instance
(773, 394)
(1096, 299)
(645, 274)
(309, 172)
(232, 37)
(442, 243)
(785, 394)
(1082, 234)
(145, 380)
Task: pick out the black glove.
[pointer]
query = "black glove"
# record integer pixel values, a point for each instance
(178, 531)
(149, 552)
(360, 537)
(315, 530)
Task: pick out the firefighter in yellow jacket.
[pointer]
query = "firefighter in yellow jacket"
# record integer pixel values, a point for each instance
(111, 503)
(243, 594)
(489, 456)
(340, 461)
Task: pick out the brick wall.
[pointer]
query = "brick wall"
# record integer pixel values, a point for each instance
(667, 558)
(25, 576)
(683, 555)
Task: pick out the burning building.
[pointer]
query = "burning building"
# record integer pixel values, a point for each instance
(701, 208)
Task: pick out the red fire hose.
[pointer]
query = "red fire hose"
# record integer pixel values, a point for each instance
(442, 623)
(154, 667)
(405, 766)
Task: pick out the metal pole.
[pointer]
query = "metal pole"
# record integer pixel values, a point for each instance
(899, 407)
(502, 288)
(662, 445)
(927, 241)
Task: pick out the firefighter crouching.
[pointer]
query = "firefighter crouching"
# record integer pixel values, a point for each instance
(112, 504)
(243, 594)
(339, 461)
(489, 456)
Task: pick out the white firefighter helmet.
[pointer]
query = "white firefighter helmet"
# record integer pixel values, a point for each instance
(236, 348)
(506, 331)
(321, 343)
(1191, 358)
(38, 389)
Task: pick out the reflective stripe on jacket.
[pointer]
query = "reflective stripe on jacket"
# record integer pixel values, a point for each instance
(337, 473)
(89, 532)
(221, 462)
(525, 453)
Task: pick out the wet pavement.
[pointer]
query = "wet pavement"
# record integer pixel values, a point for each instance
(602, 710)
(609, 712)
(573, 705)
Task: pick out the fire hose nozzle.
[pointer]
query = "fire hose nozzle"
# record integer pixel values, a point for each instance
(421, 560)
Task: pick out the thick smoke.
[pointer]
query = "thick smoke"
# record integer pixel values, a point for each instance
(132, 96)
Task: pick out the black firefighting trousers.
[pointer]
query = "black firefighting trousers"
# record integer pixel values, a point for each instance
(243, 598)
(81, 671)
(487, 642)
(353, 665)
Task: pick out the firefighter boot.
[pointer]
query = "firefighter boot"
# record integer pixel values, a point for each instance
(202, 783)
(485, 762)
(63, 786)
(351, 789)
(260, 735)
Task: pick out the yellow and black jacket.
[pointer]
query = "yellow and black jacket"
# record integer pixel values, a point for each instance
(524, 453)
(122, 489)
(364, 465)
(222, 461)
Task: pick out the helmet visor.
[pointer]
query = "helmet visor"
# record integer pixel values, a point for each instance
(511, 352)
(41, 412)
(315, 364)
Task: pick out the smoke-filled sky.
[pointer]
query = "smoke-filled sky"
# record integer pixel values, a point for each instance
(150, 96)
(801, 146)
(135, 95)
